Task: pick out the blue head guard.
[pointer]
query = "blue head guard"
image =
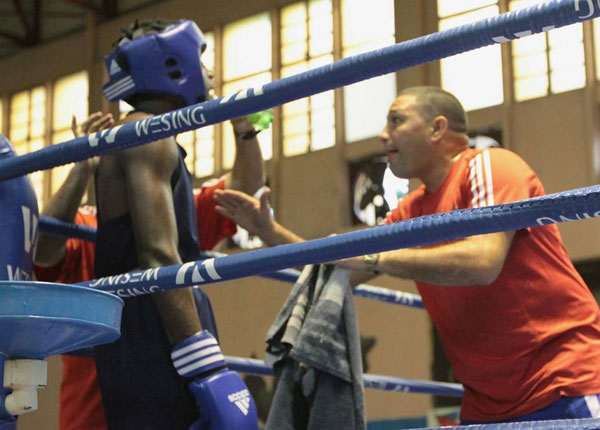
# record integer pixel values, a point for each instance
(161, 63)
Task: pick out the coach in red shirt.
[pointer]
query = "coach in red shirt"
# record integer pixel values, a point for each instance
(520, 327)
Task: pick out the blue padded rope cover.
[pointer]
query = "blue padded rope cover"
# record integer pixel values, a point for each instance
(61, 228)
(387, 383)
(389, 296)
(362, 290)
(498, 29)
(577, 424)
(570, 205)
(58, 227)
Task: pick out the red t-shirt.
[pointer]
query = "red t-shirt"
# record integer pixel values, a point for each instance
(80, 398)
(533, 334)
(212, 226)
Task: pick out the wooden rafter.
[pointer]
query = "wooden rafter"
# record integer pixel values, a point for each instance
(85, 4)
(23, 17)
(16, 39)
(35, 34)
(110, 8)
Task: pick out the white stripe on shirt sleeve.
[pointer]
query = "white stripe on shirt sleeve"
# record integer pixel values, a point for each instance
(474, 192)
(480, 183)
(488, 177)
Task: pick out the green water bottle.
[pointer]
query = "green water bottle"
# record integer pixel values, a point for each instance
(261, 120)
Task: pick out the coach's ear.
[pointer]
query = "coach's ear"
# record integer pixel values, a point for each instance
(439, 127)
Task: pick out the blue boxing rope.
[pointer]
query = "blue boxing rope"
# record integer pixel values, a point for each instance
(378, 382)
(58, 227)
(389, 296)
(575, 424)
(499, 29)
(362, 290)
(390, 383)
(570, 205)
(61, 228)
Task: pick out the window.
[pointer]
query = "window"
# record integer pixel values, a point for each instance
(246, 64)
(199, 146)
(596, 24)
(28, 126)
(449, 7)
(474, 77)
(547, 63)
(204, 147)
(307, 43)
(367, 26)
(70, 98)
(200, 143)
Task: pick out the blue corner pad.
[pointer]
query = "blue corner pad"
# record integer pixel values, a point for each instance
(38, 319)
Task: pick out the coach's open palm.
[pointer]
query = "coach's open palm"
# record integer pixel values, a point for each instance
(246, 211)
(95, 122)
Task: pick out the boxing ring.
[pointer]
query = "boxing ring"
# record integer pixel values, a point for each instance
(572, 205)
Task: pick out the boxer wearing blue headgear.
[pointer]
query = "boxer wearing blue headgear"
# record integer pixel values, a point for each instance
(146, 219)
(163, 63)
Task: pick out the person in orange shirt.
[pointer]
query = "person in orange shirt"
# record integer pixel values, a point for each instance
(59, 259)
(520, 327)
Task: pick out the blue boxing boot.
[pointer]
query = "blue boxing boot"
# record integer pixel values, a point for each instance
(7, 421)
(222, 397)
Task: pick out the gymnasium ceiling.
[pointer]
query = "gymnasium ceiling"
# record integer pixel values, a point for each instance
(27, 23)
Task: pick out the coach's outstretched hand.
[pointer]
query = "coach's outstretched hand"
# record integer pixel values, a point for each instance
(246, 211)
(254, 215)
